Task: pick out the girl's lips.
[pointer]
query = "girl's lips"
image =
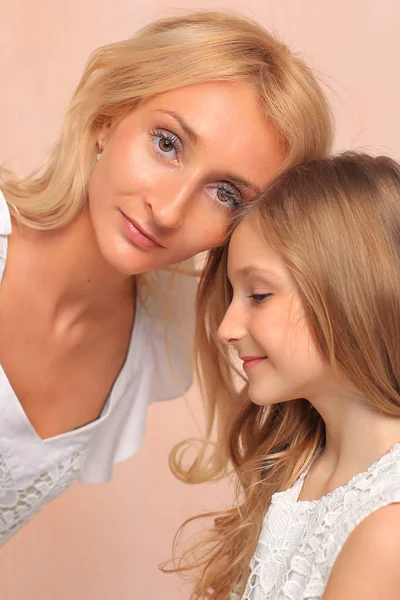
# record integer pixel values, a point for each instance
(138, 235)
(251, 361)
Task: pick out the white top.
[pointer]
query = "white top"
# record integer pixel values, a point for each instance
(300, 540)
(157, 367)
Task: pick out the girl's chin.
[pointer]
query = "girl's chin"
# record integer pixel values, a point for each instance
(266, 399)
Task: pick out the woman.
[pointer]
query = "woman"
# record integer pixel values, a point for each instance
(166, 135)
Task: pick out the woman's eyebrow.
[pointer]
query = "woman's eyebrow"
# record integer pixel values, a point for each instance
(190, 132)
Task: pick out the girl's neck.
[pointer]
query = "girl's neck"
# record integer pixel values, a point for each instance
(64, 270)
(356, 437)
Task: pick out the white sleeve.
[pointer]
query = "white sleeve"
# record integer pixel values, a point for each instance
(171, 308)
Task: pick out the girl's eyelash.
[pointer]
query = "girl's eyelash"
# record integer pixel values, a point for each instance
(259, 298)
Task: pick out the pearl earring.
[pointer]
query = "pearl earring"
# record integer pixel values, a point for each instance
(100, 147)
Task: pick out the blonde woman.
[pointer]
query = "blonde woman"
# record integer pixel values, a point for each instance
(308, 297)
(167, 134)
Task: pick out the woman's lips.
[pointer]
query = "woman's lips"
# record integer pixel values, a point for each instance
(138, 235)
(251, 361)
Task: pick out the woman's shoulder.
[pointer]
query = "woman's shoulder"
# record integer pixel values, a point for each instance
(168, 301)
(5, 219)
(164, 331)
(168, 296)
(5, 230)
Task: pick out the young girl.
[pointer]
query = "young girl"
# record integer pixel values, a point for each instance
(308, 299)
(166, 135)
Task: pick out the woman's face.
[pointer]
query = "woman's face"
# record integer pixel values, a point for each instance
(172, 173)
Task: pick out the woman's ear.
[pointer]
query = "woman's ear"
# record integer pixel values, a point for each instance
(101, 136)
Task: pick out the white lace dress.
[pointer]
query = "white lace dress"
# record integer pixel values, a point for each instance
(300, 540)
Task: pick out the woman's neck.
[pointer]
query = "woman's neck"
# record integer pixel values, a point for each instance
(63, 271)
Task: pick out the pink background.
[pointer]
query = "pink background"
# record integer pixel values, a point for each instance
(105, 542)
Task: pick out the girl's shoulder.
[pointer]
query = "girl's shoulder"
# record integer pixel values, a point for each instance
(354, 522)
(373, 489)
(380, 482)
(371, 551)
(309, 537)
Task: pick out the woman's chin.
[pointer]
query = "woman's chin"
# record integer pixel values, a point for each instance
(130, 261)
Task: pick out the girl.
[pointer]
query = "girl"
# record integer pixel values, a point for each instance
(308, 297)
(166, 135)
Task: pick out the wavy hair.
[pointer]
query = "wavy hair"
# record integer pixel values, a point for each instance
(336, 224)
(168, 54)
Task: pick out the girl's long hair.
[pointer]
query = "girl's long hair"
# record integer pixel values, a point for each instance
(336, 223)
(165, 55)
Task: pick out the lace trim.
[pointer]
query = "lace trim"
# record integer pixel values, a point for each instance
(17, 505)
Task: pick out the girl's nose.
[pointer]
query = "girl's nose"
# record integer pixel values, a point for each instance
(233, 327)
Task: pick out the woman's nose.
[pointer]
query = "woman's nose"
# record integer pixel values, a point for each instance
(170, 204)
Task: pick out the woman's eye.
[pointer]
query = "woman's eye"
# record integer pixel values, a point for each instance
(227, 195)
(259, 298)
(166, 144)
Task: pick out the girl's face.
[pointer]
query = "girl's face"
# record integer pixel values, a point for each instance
(266, 324)
(173, 171)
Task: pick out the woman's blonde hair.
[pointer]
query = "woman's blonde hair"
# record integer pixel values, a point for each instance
(336, 224)
(168, 54)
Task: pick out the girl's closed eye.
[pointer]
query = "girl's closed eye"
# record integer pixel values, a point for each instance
(259, 298)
